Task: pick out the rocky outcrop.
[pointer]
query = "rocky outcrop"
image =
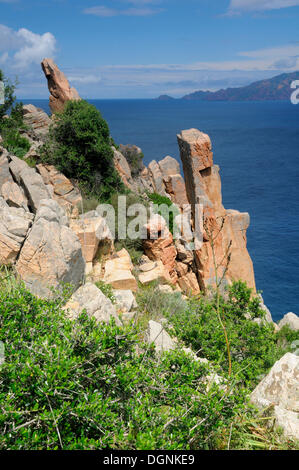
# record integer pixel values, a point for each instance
(124, 300)
(118, 272)
(37, 120)
(52, 253)
(227, 228)
(91, 230)
(153, 271)
(291, 320)
(159, 245)
(94, 302)
(60, 187)
(14, 195)
(280, 388)
(14, 226)
(59, 87)
(158, 336)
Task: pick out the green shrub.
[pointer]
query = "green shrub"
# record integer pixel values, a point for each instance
(82, 385)
(254, 347)
(12, 123)
(79, 146)
(14, 142)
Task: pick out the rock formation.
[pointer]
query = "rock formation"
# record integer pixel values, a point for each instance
(226, 227)
(59, 87)
(51, 254)
(93, 301)
(280, 388)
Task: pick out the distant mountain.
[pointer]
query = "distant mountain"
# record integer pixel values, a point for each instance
(276, 88)
(165, 98)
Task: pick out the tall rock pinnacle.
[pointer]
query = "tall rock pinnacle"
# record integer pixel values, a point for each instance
(59, 87)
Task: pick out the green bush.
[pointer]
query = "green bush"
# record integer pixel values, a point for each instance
(12, 123)
(79, 146)
(254, 345)
(82, 385)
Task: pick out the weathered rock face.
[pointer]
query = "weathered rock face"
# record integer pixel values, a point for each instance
(157, 335)
(60, 187)
(291, 320)
(96, 304)
(5, 175)
(118, 272)
(14, 195)
(226, 227)
(159, 245)
(91, 231)
(59, 87)
(123, 168)
(36, 119)
(34, 187)
(51, 253)
(14, 226)
(281, 389)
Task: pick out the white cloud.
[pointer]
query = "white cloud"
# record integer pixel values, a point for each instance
(239, 6)
(140, 8)
(35, 47)
(84, 79)
(23, 48)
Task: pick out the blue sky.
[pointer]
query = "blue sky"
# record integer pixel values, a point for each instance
(143, 48)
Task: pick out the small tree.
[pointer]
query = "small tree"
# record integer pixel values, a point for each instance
(79, 145)
(9, 95)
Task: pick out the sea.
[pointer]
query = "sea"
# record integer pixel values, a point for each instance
(256, 145)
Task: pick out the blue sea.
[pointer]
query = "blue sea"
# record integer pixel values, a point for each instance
(256, 145)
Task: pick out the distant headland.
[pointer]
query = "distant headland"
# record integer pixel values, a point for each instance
(277, 88)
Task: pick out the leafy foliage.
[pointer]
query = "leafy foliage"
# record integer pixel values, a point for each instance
(11, 124)
(79, 146)
(254, 345)
(82, 385)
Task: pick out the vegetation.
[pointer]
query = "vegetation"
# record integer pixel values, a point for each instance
(12, 123)
(79, 146)
(83, 385)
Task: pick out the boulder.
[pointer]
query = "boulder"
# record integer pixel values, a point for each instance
(94, 302)
(52, 253)
(174, 183)
(169, 166)
(125, 300)
(157, 335)
(62, 189)
(34, 187)
(36, 119)
(16, 167)
(158, 273)
(280, 388)
(118, 272)
(14, 226)
(14, 195)
(123, 168)
(5, 175)
(189, 283)
(59, 87)
(91, 231)
(291, 320)
(159, 244)
(157, 178)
